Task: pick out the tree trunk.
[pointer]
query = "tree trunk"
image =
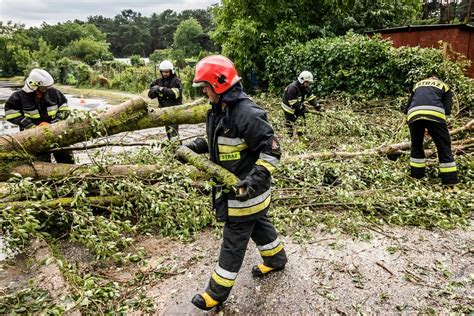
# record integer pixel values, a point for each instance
(20, 148)
(382, 150)
(213, 170)
(64, 202)
(45, 170)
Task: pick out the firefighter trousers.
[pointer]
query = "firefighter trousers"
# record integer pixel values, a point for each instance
(235, 240)
(440, 134)
(290, 122)
(172, 131)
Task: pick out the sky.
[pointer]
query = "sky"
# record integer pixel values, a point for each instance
(35, 12)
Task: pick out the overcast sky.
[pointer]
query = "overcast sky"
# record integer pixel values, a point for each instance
(35, 12)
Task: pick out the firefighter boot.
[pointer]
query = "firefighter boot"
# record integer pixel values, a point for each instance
(261, 270)
(204, 301)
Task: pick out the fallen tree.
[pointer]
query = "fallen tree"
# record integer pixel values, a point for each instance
(20, 148)
(390, 149)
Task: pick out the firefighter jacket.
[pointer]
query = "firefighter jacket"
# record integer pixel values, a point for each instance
(295, 97)
(241, 140)
(430, 100)
(28, 109)
(169, 91)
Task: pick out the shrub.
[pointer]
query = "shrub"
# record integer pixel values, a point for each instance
(358, 64)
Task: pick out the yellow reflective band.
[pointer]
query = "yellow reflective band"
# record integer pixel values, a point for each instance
(448, 169)
(225, 149)
(266, 164)
(12, 116)
(63, 108)
(264, 268)
(292, 102)
(250, 210)
(418, 164)
(222, 281)
(52, 113)
(176, 92)
(427, 112)
(271, 252)
(228, 157)
(431, 83)
(35, 116)
(287, 109)
(210, 302)
(311, 98)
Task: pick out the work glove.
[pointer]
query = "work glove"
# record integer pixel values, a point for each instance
(158, 89)
(199, 145)
(245, 190)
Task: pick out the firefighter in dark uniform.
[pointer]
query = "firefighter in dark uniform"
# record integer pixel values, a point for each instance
(294, 98)
(426, 109)
(169, 91)
(39, 104)
(240, 139)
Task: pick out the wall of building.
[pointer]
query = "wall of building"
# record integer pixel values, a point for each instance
(461, 39)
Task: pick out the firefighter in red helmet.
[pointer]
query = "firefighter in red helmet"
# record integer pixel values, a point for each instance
(240, 139)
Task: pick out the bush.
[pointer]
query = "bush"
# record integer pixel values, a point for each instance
(137, 61)
(133, 79)
(358, 64)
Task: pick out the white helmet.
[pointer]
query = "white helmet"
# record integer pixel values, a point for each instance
(305, 76)
(166, 65)
(37, 78)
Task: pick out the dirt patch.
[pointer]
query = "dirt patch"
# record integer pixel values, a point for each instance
(397, 270)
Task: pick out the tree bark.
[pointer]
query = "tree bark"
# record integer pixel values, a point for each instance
(213, 170)
(381, 150)
(45, 170)
(63, 202)
(20, 148)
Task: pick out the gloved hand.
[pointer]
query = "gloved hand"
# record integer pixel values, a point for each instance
(245, 190)
(43, 124)
(159, 89)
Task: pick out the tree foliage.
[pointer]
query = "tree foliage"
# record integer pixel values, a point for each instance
(131, 33)
(88, 50)
(360, 65)
(249, 31)
(188, 37)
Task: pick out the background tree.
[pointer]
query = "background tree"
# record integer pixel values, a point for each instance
(88, 50)
(249, 30)
(187, 37)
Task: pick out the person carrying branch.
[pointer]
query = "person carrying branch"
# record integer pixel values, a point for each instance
(426, 110)
(39, 104)
(294, 98)
(169, 92)
(240, 139)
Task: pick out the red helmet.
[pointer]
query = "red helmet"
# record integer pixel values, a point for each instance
(218, 71)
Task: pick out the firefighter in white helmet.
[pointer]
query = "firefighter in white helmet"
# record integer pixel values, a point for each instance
(169, 92)
(294, 98)
(39, 104)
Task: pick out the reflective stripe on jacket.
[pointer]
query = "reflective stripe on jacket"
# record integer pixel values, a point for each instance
(241, 140)
(172, 93)
(295, 96)
(26, 110)
(431, 100)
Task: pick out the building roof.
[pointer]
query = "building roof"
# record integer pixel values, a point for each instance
(413, 28)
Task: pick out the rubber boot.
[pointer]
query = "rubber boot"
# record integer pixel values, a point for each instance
(262, 270)
(204, 301)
